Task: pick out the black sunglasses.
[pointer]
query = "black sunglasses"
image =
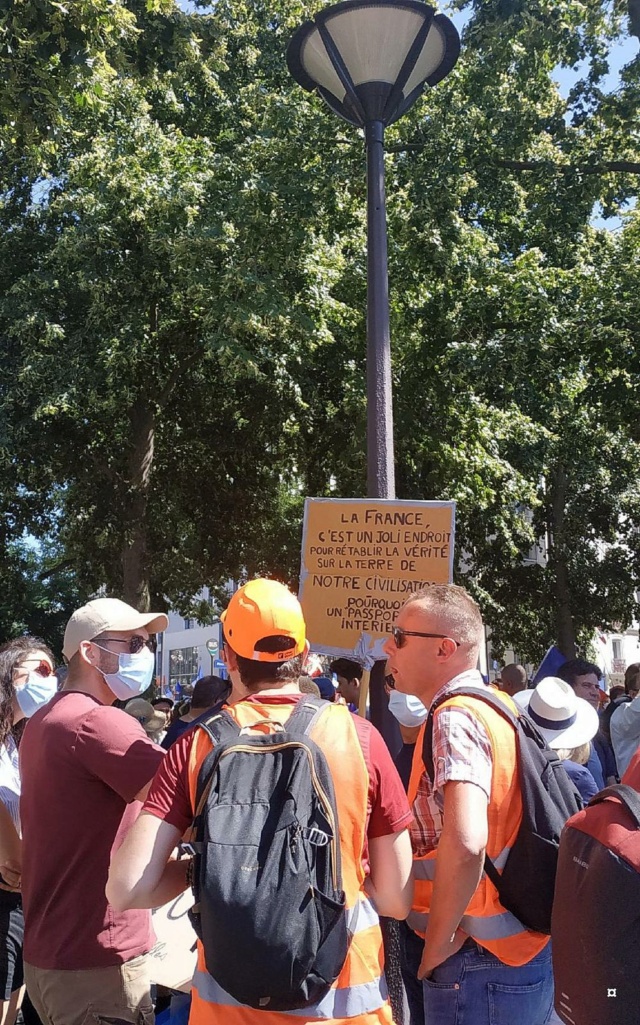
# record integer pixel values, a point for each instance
(399, 635)
(135, 644)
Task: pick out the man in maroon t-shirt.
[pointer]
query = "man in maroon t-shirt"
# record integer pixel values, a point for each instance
(85, 768)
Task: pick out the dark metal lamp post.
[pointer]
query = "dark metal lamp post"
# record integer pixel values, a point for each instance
(370, 60)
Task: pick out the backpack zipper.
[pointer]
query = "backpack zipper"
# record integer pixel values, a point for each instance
(326, 804)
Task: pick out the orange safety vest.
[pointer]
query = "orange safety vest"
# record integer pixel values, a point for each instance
(359, 995)
(485, 919)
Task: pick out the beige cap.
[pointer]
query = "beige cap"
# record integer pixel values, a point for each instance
(102, 614)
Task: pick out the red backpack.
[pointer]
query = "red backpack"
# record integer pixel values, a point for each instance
(595, 925)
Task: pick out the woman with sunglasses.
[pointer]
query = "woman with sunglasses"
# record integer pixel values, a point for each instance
(27, 681)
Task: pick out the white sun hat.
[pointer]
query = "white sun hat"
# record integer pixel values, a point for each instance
(563, 719)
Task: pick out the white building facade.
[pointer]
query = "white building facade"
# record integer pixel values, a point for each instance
(616, 651)
(182, 655)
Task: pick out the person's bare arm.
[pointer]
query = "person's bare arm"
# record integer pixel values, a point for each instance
(390, 884)
(142, 874)
(10, 851)
(458, 870)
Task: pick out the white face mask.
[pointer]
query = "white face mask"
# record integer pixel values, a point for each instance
(134, 675)
(36, 692)
(407, 709)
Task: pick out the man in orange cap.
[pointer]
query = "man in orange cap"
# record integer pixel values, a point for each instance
(265, 649)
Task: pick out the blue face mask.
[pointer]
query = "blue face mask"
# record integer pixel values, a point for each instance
(36, 692)
(135, 673)
(408, 710)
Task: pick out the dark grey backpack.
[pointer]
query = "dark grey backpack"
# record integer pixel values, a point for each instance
(270, 908)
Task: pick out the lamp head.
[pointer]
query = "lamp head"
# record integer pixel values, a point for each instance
(371, 59)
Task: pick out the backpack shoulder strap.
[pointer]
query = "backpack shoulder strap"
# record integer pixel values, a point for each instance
(220, 726)
(222, 729)
(627, 796)
(482, 694)
(306, 714)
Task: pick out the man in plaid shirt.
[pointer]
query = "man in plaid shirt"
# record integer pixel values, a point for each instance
(450, 976)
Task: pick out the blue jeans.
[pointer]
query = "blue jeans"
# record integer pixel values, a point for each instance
(475, 988)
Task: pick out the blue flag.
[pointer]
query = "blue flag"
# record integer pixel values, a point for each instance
(198, 675)
(550, 664)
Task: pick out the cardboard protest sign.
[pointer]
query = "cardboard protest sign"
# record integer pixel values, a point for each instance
(360, 559)
(172, 961)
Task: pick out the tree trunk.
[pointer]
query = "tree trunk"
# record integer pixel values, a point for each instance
(565, 629)
(135, 568)
(634, 18)
(564, 618)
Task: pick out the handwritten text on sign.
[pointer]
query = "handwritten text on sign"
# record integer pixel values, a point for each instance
(360, 560)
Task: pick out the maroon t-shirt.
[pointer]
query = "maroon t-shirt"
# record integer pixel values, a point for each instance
(82, 763)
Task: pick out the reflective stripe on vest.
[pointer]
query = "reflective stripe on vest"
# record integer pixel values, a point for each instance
(425, 868)
(338, 1003)
(363, 916)
(492, 927)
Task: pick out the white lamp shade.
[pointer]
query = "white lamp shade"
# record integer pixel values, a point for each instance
(317, 64)
(369, 46)
(431, 57)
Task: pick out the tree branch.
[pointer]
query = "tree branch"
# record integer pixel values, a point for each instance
(604, 167)
(44, 574)
(622, 166)
(191, 356)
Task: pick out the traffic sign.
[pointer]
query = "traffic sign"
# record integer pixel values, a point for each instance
(212, 646)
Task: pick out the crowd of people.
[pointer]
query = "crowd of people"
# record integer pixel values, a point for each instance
(613, 736)
(96, 802)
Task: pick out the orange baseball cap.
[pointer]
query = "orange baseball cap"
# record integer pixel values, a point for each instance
(264, 608)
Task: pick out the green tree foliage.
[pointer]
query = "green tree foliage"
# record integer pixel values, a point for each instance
(53, 54)
(38, 593)
(182, 301)
(502, 322)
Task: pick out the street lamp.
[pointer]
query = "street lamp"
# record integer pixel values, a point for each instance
(370, 60)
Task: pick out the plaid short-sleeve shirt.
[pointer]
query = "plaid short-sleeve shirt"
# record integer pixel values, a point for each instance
(462, 752)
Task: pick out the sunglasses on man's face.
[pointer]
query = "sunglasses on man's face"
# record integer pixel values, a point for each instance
(135, 644)
(399, 635)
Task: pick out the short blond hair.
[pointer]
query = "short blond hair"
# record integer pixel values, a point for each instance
(454, 608)
(578, 754)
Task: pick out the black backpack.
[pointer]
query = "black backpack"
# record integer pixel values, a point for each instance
(269, 905)
(595, 930)
(549, 798)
